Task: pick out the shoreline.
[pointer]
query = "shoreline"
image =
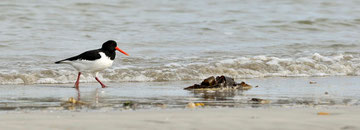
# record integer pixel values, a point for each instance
(299, 91)
(294, 104)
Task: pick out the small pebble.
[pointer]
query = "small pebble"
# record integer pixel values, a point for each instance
(199, 104)
(323, 113)
(191, 105)
(312, 82)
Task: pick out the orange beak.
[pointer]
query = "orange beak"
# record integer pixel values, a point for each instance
(117, 48)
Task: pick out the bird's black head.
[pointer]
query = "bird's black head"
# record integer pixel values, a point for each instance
(109, 46)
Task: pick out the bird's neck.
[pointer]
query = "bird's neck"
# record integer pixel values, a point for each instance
(110, 54)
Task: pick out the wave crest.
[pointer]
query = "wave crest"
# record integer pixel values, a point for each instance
(242, 67)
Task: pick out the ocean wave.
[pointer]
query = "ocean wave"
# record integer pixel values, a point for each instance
(349, 22)
(319, 24)
(242, 67)
(325, 47)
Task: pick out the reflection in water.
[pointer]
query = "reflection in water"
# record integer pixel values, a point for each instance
(226, 94)
(221, 97)
(89, 101)
(95, 100)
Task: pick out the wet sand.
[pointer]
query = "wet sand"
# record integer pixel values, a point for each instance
(281, 92)
(293, 103)
(207, 119)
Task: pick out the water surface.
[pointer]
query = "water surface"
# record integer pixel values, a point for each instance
(172, 40)
(278, 92)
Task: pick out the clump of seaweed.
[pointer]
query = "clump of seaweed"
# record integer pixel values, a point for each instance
(220, 82)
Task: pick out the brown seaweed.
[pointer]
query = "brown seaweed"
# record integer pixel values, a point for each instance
(220, 82)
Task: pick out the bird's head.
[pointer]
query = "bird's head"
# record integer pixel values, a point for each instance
(112, 46)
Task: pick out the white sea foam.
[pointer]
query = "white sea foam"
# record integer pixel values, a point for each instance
(242, 67)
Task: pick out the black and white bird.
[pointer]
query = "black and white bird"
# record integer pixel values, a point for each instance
(93, 61)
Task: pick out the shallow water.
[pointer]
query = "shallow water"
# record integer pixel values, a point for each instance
(180, 40)
(280, 92)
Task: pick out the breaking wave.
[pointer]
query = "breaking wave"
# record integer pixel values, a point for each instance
(242, 67)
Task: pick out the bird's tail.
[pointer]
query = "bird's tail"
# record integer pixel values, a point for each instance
(59, 62)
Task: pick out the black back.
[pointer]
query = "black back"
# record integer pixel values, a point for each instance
(108, 48)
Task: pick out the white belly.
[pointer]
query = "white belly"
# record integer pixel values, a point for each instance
(92, 66)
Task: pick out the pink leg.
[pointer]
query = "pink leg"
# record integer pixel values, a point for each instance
(77, 81)
(78, 93)
(102, 85)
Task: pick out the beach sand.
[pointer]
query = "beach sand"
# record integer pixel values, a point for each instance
(204, 119)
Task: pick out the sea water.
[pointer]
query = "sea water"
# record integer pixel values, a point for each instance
(172, 40)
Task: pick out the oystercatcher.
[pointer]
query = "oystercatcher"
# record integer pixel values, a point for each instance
(93, 61)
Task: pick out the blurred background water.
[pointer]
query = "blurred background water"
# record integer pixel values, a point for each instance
(180, 39)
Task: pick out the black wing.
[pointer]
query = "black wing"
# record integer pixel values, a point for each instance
(89, 55)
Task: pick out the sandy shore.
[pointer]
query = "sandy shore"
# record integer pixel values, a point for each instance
(347, 118)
